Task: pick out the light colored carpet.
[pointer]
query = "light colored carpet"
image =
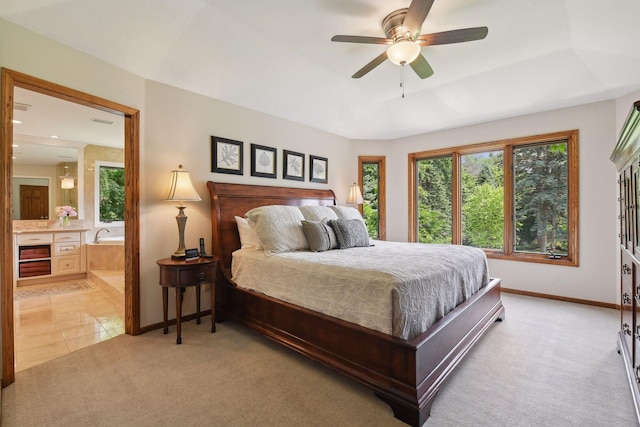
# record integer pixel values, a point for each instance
(36, 291)
(548, 364)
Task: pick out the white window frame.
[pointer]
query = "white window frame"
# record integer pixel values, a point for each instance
(96, 192)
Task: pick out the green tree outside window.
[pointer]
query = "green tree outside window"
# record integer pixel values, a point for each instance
(111, 194)
(370, 213)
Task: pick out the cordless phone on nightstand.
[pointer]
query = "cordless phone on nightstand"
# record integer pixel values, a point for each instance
(203, 252)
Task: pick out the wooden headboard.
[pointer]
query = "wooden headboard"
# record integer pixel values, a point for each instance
(229, 200)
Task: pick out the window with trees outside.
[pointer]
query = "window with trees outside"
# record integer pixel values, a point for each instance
(516, 199)
(372, 178)
(110, 193)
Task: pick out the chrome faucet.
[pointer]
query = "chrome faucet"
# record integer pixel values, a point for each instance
(97, 238)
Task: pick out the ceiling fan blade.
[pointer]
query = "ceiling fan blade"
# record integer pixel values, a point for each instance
(422, 67)
(453, 36)
(361, 39)
(417, 13)
(371, 65)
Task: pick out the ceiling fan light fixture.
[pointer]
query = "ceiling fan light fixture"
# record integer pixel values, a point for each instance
(403, 52)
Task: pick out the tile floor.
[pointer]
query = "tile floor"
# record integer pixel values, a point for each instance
(50, 326)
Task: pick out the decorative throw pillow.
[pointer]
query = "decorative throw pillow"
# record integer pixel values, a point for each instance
(318, 213)
(320, 235)
(248, 236)
(350, 233)
(346, 212)
(279, 228)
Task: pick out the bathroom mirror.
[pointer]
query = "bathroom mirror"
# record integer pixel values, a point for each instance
(38, 187)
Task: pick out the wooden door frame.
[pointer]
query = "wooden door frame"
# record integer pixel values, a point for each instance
(10, 80)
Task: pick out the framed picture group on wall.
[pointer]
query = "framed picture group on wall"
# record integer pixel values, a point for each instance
(227, 157)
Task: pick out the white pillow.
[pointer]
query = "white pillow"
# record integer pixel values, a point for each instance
(279, 228)
(248, 236)
(317, 213)
(346, 212)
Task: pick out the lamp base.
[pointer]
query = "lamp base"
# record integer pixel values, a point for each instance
(181, 219)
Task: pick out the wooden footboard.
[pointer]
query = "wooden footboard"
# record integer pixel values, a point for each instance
(405, 374)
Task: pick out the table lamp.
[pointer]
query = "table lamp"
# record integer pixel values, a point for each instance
(181, 189)
(355, 195)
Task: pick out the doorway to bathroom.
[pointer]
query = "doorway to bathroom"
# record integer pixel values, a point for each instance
(56, 311)
(131, 325)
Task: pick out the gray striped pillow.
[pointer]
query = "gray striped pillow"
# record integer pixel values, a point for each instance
(320, 236)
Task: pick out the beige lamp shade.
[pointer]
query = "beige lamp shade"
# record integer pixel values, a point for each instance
(180, 187)
(355, 195)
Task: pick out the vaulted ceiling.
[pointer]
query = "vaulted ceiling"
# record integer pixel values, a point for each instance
(277, 57)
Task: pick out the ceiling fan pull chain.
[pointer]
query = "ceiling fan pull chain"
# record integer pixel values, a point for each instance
(402, 80)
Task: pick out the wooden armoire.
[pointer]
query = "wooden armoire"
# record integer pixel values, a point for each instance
(626, 157)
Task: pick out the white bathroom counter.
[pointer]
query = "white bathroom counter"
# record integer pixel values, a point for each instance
(50, 230)
(47, 226)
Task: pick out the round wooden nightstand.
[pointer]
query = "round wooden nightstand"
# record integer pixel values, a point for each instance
(180, 274)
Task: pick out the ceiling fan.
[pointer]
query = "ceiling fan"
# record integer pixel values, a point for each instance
(402, 28)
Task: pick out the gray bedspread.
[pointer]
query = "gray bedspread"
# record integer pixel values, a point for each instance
(396, 288)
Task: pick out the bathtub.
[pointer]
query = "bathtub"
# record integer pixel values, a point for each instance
(118, 240)
(106, 255)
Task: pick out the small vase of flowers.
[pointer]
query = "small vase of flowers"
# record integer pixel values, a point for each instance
(64, 212)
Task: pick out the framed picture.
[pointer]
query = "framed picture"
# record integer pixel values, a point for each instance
(226, 155)
(318, 169)
(263, 161)
(293, 165)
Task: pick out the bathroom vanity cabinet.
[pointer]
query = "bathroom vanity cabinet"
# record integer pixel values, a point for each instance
(47, 254)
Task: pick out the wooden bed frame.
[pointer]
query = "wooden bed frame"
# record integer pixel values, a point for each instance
(404, 374)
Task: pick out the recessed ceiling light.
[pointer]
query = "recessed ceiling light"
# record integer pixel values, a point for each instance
(16, 122)
(15, 145)
(54, 136)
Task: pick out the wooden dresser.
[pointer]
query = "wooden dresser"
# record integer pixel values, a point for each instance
(626, 156)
